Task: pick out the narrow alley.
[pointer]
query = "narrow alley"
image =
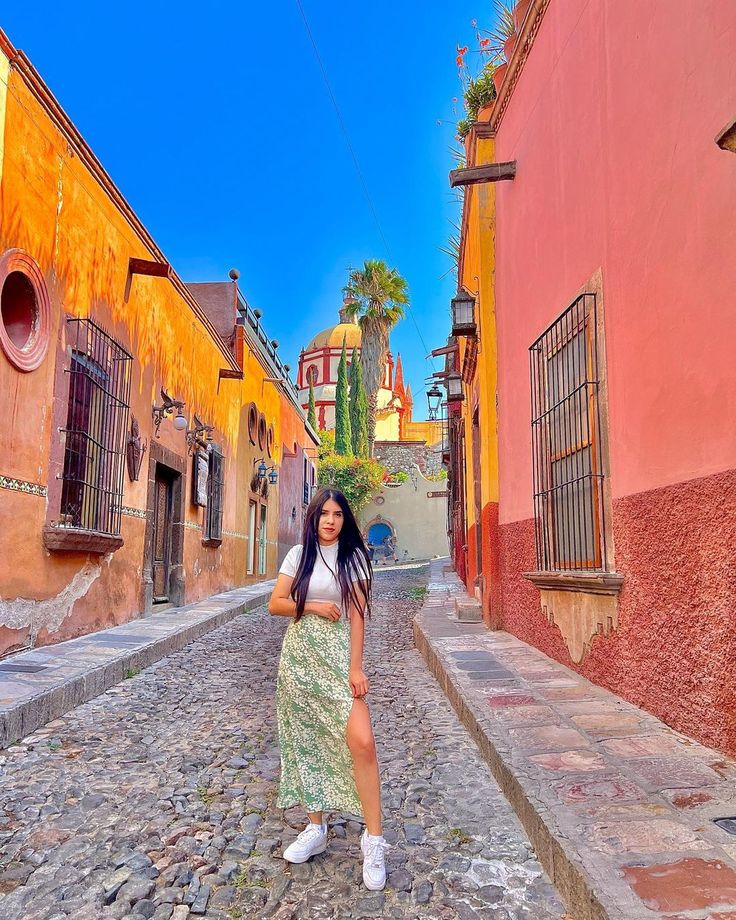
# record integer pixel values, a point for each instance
(155, 800)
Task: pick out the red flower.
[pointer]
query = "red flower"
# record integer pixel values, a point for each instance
(462, 50)
(485, 42)
(459, 60)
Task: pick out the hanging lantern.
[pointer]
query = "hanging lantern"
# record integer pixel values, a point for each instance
(463, 313)
(434, 400)
(455, 388)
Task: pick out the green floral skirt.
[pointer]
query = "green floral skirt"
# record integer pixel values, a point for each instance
(313, 703)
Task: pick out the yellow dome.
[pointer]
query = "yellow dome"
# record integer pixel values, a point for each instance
(333, 337)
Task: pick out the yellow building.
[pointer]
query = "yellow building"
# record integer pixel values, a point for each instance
(138, 410)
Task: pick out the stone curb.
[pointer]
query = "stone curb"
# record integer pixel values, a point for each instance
(556, 853)
(568, 877)
(21, 718)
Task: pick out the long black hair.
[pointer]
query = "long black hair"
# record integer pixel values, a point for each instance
(354, 571)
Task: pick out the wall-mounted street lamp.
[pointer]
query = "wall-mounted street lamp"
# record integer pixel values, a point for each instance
(434, 401)
(263, 471)
(169, 404)
(454, 384)
(194, 435)
(462, 306)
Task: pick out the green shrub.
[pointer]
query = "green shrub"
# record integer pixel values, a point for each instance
(358, 479)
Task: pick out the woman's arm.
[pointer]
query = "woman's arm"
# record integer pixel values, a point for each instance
(357, 677)
(282, 605)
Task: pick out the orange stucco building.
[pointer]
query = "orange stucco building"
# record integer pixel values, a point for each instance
(104, 513)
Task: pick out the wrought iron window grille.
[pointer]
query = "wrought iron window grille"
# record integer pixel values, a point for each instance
(215, 488)
(96, 429)
(569, 511)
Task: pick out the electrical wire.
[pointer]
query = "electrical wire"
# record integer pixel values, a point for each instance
(354, 156)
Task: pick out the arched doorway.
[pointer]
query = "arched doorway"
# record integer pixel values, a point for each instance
(381, 540)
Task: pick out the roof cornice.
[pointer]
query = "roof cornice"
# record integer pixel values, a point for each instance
(43, 95)
(523, 46)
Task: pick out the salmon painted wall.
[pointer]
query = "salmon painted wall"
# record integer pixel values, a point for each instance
(55, 208)
(612, 125)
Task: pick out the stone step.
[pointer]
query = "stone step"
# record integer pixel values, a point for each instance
(468, 609)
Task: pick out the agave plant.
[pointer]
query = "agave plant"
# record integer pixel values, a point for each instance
(502, 31)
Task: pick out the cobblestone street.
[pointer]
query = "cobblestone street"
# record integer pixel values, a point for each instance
(156, 799)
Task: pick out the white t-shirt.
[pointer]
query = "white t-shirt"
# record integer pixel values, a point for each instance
(323, 585)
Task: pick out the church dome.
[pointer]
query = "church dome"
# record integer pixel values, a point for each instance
(333, 337)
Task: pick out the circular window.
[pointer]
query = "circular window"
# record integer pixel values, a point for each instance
(25, 312)
(269, 441)
(252, 423)
(261, 432)
(312, 374)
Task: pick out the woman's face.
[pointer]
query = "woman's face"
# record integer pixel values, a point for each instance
(330, 522)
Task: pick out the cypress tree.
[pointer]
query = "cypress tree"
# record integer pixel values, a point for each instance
(343, 439)
(358, 408)
(312, 410)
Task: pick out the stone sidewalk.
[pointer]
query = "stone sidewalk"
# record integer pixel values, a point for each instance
(620, 808)
(44, 683)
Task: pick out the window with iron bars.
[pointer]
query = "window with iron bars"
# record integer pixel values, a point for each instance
(215, 482)
(96, 429)
(566, 443)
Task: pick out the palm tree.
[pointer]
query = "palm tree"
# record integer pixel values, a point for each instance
(377, 295)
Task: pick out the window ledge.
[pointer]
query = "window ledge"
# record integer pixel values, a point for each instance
(589, 582)
(212, 542)
(75, 540)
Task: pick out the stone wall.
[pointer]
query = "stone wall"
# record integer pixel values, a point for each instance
(403, 455)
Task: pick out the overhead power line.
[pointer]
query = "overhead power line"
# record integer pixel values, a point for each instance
(353, 154)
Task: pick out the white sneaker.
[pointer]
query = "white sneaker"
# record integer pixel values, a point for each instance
(312, 840)
(374, 866)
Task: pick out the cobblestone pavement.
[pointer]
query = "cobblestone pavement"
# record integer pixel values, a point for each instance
(156, 799)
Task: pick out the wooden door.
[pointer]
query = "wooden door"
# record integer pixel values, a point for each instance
(162, 536)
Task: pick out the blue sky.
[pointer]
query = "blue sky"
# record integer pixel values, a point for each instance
(219, 131)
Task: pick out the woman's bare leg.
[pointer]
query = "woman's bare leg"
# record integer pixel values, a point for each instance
(362, 746)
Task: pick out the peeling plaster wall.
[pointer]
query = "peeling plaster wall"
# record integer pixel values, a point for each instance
(50, 613)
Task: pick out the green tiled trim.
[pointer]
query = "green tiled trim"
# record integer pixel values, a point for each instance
(20, 485)
(133, 512)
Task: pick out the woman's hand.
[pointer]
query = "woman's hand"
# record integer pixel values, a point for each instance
(324, 609)
(358, 683)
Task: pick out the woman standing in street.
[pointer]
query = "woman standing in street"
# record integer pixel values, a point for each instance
(328, 753)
